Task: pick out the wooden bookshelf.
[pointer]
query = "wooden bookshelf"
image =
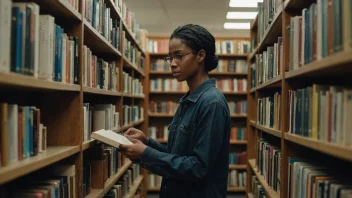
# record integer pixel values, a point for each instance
(238, 142)
(238, 116)
(233, 55)
(155, 189)
(61, 104)
(161, 140)
(275, 82)
(269, 191)
(336, 150)
(168, 92)
(236, 189)
(19, 81)
(211, 73)
(237, 167)
(92, 90)
(250, 195)
(51, 155)
(134, 187)
(252, 123)
(269, 130)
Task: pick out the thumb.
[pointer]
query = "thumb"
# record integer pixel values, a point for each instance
(123, 147)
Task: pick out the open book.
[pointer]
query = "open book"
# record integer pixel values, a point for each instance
(110, 137)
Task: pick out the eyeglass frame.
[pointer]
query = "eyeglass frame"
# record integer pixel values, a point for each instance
(169, 59)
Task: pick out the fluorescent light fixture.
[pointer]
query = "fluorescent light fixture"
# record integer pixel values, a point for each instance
(236, 25)
(241, 15)
(244, 3)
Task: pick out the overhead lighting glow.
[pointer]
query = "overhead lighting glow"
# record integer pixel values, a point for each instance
(241, 15)
(236, 25)
(244, 3)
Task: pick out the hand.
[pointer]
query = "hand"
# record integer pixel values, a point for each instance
(133, 133)
(133, 151)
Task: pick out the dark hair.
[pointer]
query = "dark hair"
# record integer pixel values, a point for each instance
(197, 38)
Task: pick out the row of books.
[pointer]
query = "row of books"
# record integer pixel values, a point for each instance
(131, 86)
(154, 180)
(238, 133)
(238, 158)
(98, 73)
(22, 133)
(267, 10)
(73, 3)
(238, 107)
(130, 51)
(98, 14)
(59, 182)
(239, 66)
(168, 84)
(132, 114)
(168, 107)
(268, 64)
(158, 132)
(237, 178)
(99, 116)
(257, 189)
(307, 179)
(221, 47)
(321, 112)
(28, 35)
(232, 47)
(269, 163)
(269, 111)
(232, 84)
(160, 65)
(321, 30)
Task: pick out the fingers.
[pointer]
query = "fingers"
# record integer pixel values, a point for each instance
(129, 131)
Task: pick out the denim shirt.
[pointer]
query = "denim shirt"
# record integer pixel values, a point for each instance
(194, 163)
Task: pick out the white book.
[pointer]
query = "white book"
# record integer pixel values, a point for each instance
(12, 127)
(5, 35)
(99, 120)
(63, 74)
(46, 47)
(110, 137)
(303, 34)
(36, 11)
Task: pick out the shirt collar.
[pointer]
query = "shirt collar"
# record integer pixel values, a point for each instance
(194, 97)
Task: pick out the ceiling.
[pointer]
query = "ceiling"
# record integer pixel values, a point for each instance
(161, 17)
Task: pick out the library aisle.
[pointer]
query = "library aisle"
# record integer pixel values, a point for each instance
(72, 67)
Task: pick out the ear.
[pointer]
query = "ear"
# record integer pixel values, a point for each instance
(201, 55)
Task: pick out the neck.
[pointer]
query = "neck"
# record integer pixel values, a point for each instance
(197, 80)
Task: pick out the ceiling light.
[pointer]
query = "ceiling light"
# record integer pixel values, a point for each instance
(236, 25)
(244, 3)
(241, 15)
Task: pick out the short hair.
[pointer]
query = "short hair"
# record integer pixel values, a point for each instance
(197, 38)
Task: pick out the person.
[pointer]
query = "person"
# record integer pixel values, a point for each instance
(194, 163)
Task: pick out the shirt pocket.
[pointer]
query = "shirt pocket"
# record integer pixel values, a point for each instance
(184, 136)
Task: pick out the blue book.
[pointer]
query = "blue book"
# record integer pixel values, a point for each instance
(306, 36)
(16, 39)
(59, 66)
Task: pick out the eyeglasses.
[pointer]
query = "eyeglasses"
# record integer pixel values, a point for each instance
(178, 58)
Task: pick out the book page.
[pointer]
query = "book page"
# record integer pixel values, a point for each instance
(112, 136)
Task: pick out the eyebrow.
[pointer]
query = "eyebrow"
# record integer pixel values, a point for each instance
(177, 51)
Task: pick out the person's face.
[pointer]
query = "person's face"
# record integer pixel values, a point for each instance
(184, 62)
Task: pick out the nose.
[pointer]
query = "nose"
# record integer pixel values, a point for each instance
(173, 63)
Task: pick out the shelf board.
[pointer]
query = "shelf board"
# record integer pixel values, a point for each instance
(254, 23)
(269, 191)
(252, 123)
(237, 166)
(128, 64)
(51, 155)
(62, 9)
(228, 73)
(161, 140)
(233, 55)
(134, 187)
(161, 115)
(269, 130)
(160, 73)
(252, 90)
(234, 93)
(294, 4)
(274, 82)
(252, 55)
(167, 92)
(138, 97)
(238, 116)
(17, 81)
(95, 193)
(133, 124)
(97, 42)
(236, 189)
(336, 150)
(238, 142)
(154, 189)
(272, 33)
(92, 90)
(328, 65)
(132, 96)
(112, 180)
(250, 195)
(88, 144)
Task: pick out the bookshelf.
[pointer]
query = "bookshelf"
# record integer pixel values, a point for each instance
(61, 103)
(320, 61)
(158, 119)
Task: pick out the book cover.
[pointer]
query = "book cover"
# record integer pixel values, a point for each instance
(111, 138)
